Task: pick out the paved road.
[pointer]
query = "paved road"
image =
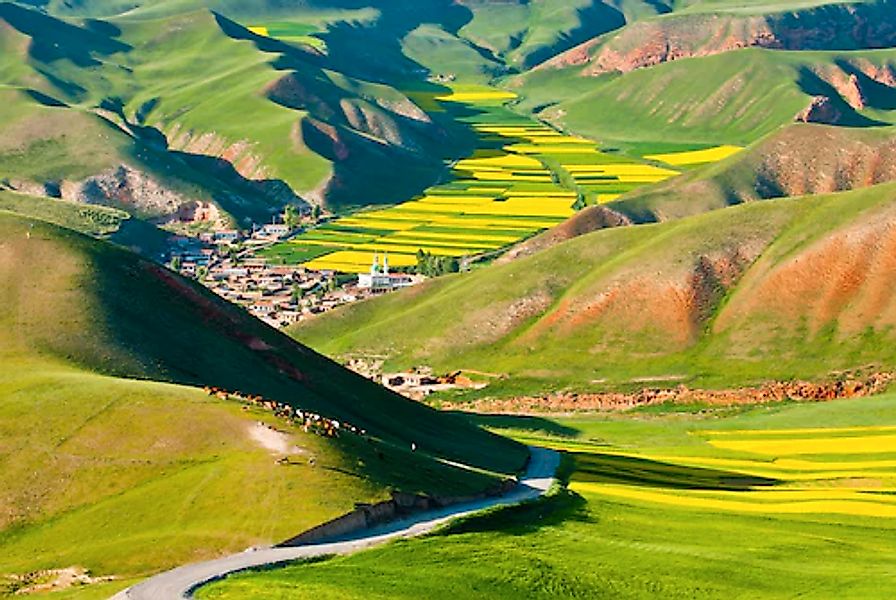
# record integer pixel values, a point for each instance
(179, 583)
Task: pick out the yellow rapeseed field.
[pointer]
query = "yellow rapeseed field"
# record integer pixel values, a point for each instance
(477, 96)
(696, 157)
(353, 261)
(856, 504)
(470, 237)
(870, 444)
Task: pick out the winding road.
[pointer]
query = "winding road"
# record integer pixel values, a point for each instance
(180, 582)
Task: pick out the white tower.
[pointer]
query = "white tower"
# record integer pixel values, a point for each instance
(386, 263)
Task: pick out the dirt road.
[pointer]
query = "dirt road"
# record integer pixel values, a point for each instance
(179, 583)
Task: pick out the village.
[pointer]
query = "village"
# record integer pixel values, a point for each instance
(228, 262)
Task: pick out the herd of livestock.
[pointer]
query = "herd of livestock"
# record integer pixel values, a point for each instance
(310, 422)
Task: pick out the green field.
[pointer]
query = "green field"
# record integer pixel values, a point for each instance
(522, 178)
(606, 309)
(114, 458)
(657, 504)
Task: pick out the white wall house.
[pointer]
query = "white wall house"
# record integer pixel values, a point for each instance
(379, 279)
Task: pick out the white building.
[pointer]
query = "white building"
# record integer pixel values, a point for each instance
(379, 279)
(275, 230)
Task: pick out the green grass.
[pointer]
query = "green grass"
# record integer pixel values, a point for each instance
(526, 319)
(756, 173)
(577, 544)
(288, 253)
(92, 220)
(114, 460)
(731, 98)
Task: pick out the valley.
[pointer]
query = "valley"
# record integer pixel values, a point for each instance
(447, 299)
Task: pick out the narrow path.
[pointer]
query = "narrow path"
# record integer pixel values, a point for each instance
(180, 582)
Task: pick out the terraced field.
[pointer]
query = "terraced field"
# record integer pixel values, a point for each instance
(524, 177)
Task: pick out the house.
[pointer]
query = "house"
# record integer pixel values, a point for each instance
(380, 280)
(226, 236)
(275, 230)
(262, 307)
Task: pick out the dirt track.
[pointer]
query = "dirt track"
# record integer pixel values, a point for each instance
(181, 582)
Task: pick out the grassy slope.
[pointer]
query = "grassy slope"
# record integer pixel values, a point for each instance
(797, 160)
(736, 97)
(97, 221)
(193, 73)
(652, 301)
(90, 454)
(92, 220)
(589, 545)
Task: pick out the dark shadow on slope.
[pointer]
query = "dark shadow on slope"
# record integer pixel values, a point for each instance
(844, 114)
(53, 39)
(660, 7)
(382, 59)
(876, 94)
(523, 423)
(45, 99)
(247, 200)
(343, 127)
(629, 470)
(525, 519)
(69, 88)
(596, 20)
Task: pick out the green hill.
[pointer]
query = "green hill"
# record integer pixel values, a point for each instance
(797, 160)
(771, 290)
(314, 131)
(735, 97)
(113, 460)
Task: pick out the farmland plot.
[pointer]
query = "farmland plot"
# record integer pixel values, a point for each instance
(523, 178)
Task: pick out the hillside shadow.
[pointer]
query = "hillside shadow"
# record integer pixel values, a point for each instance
(383, 59)
(45, 99)
(362, 162)
(563, 507)
(609, 17)
(246, 199)
(642, 472)
(813, 85)
(520, 422)
(53, 39)
(876, 94)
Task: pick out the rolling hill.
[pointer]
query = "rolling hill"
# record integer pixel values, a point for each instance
(796, 161)
(140, 82)
(113, 457)
(771, 290)
(735, 97)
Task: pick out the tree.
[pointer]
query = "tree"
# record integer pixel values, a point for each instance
(176, 263)
(292, 216)
(433, 266)
(202, 272)
(297, 293)
(315, 212)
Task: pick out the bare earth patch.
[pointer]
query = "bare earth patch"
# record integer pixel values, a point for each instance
(50, 580)
(777, 391)
(274, 440)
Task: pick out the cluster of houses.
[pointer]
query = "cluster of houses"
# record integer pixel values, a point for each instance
(226, 262)
(278, 295)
